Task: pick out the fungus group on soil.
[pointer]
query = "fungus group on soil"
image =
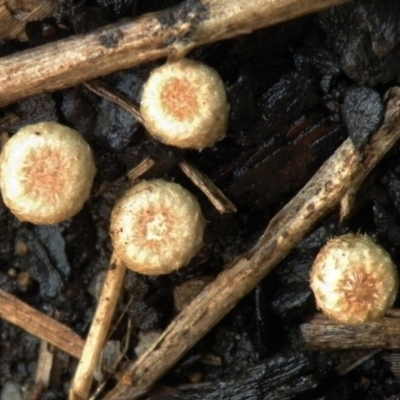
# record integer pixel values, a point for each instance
(47, 170)
(270, 102)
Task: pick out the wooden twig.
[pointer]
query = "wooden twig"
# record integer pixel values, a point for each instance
(168, 33)
(322, 333)
(353, 360)
(140, 169)
(43, 372)
(44, 365)
(208, 187)
(40, 325)
(98, 332)
(133, 175)
(393, 359)
(6, 19)
(35, 392)
(320, 196)
(14, 28)
(107, 92)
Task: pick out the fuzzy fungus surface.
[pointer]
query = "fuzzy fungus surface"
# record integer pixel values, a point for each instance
(157, 227)
(354, 279)
(46, 173)
(184, 104)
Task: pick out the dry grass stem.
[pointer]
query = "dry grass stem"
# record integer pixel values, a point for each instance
(132, 175)
(35, 392)
(99, 331)
(40, 325)
(8, 121)
(14, 27)
(207, 186)
(140, 169)
(169, 33)
(345, 168)
(105, 91)
(44, 365)
(6, 20)
(353, 359)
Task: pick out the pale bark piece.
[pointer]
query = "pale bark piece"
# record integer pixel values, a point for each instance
(322, 333)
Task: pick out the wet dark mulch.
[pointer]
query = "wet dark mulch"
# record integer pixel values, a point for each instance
(297, 91)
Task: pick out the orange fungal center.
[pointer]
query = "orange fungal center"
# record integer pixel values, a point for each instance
(179, 98)
(154, 228)
(361, 291)
(42, 174)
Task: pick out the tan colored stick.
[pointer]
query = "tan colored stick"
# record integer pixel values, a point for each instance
(321, 333)
(98, 332)
(38, 324)
(172, 32)
(14, 28)
(109, 93)
(320, 196)
(208, 187)
(44, 364)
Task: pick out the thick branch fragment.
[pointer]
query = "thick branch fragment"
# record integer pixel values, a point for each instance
(321, 333)
(346, 168)
(169, 33)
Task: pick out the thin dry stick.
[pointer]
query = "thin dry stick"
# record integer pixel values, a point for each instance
(98, 332)
(14, 28)
(168, 33)
(140, 169)
(35, 392)
(6, 19)
(107, 92)
(44, 364)
(321, 333)
(208, 187)
(320, 196)
(40, 325)
(17, 29)
(132, 175)
(353, 360)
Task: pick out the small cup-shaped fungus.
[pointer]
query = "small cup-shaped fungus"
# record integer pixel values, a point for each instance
(46, 173)
(354, 280)
(156, 227)
(184, 104)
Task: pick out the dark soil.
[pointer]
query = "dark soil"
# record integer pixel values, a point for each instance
(296, 90)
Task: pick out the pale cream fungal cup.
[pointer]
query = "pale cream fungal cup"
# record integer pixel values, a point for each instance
(156, 227)
(46, 173)
(184, 104)
(354, 279)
